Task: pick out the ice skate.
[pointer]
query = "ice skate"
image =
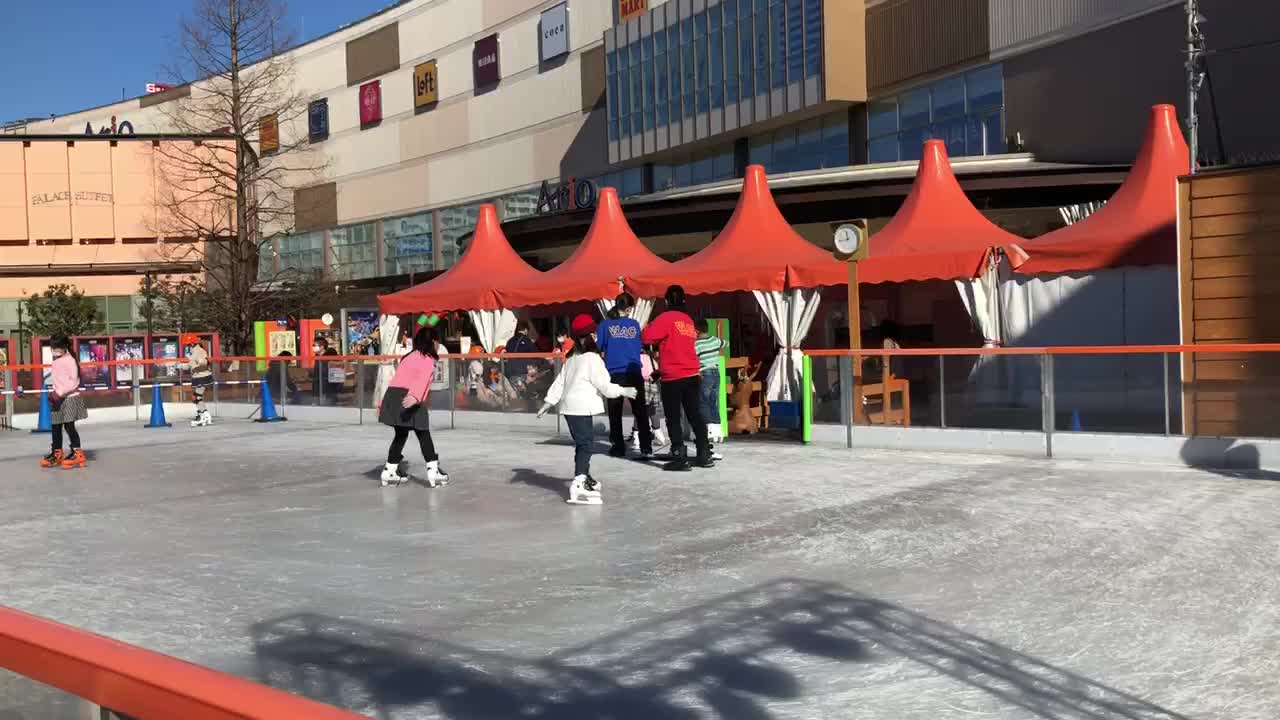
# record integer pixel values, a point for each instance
(53, 459)
(75, 459)
(202, 419)
(713, 433)
(435, 476)
(679, 461)
(391, 475)
(705, 459)
(659, 438)
(584, 490)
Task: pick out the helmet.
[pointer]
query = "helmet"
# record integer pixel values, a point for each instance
(189, 339)
(674, 296)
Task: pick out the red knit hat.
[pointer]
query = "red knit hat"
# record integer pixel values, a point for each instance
(583, 324)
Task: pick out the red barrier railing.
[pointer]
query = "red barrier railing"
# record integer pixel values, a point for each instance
(1065, 350)
(140, 683)
(223, 359)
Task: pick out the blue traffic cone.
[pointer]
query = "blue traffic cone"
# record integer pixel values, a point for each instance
(43, 424)
(1075, 421)
(268, 411)
(157, 408)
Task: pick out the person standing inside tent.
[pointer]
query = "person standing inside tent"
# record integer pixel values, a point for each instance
(577, 390)
(619, 340)
(66, 406)
(674, 333)
(404, 408)
(201, 377)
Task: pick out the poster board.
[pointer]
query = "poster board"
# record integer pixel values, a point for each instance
(93, 349)
(8, 356)
(127, 347)
(282, 340)
(41, 354)
(164, 347)
(359, 332)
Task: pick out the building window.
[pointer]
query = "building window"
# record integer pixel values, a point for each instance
(407, 243)
(715, 41)
(814, 144)
(456, 226)
(353, 251)
(964, 111)
(730, 52)
(689, 81)
(303, 251)
(812, 38)
(523, 203)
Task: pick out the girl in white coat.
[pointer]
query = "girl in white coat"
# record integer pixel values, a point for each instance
(578, 390)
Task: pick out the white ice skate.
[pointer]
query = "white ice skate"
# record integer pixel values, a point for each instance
(391, 475)
(202, 419)
(435, 476)
(584, 490)
(660, 438)
(715, 437)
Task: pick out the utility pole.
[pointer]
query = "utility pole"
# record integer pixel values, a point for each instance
(1195, 76)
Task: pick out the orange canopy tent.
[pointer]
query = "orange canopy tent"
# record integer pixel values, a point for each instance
(595, 268)
(488, 264)
(1138, 226)
(937, 234)
(757, 250)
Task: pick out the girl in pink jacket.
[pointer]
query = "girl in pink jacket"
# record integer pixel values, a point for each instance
(404, 408)
(66, 406)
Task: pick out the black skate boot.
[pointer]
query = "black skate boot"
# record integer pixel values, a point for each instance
(679, 461)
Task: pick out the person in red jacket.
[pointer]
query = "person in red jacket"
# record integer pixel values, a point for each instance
(674, 332)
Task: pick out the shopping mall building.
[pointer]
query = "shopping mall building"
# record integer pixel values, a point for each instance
(429, 108)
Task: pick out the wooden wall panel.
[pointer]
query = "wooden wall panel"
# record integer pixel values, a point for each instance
(1229, 237)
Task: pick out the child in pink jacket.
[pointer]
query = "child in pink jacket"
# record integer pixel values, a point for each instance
(404, 408)
(66, 406)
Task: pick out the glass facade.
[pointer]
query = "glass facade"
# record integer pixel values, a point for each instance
(694, 169)
(353, 251)
(965, 111)
(407, 244)
(814, 144)
(727, 53)
(456, 225)
(303, 251)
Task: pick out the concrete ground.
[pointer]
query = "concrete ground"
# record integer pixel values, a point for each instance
(789, 582)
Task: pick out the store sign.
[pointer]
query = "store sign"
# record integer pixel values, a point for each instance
(425, 90)
(628, 9)
(371, 102)
(318, 120)
(268, 134)
(153, 88)
(408, 236)
(484, 61)
(124, 127)
(554, 27)
(575, 194)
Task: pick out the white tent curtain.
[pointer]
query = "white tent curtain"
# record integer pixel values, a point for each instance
(640, 312)
(796, 307)
(494, 327)
(981, 298)
(388, 336)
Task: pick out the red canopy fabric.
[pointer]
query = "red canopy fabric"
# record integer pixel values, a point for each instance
(757, 250)
(471, 284)
(937, 234)
(1139, 225)
(609, 250)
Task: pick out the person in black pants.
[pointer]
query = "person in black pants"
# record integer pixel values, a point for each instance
(674, 332)
(619, 340)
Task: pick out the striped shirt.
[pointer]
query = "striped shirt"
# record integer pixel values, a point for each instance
(708, 349)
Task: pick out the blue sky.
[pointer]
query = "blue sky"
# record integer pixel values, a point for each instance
(60, 56)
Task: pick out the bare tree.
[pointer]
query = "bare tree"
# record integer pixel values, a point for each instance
(226, 199)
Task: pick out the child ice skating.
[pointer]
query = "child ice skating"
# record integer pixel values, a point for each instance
(578, 390)
(653, 402)
(404, 408)
(66, 407)
(201, 378)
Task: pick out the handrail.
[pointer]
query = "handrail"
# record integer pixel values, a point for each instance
(141, 683)
(1064, 350)
(293, 359)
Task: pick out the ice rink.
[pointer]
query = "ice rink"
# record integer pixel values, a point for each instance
(790, 582)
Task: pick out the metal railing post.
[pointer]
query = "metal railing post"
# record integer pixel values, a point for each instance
(360, 388)
(9, 390)
(284, 386)
(1048, 416)
(942, 390)
(321, 375)
(1164, 364)
(453, 397)
(137, 393)
(846, 398)
(217, 380)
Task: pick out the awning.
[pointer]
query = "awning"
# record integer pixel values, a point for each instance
(937, 234)
(757, 250)
(472, 284)
(595, 268)
(1138, 226)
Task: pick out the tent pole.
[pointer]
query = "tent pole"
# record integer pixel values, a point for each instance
(789, 367)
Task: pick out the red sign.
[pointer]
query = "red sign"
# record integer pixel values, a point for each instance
(628, 9)
(371, 102)
(157, 87)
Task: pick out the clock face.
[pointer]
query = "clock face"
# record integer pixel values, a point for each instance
(848, 239)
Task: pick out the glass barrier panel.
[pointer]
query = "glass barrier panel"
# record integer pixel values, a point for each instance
(1110, 393)
(22, 698)
(995, 392)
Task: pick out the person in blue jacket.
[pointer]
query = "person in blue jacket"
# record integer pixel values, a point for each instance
(619, 340)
